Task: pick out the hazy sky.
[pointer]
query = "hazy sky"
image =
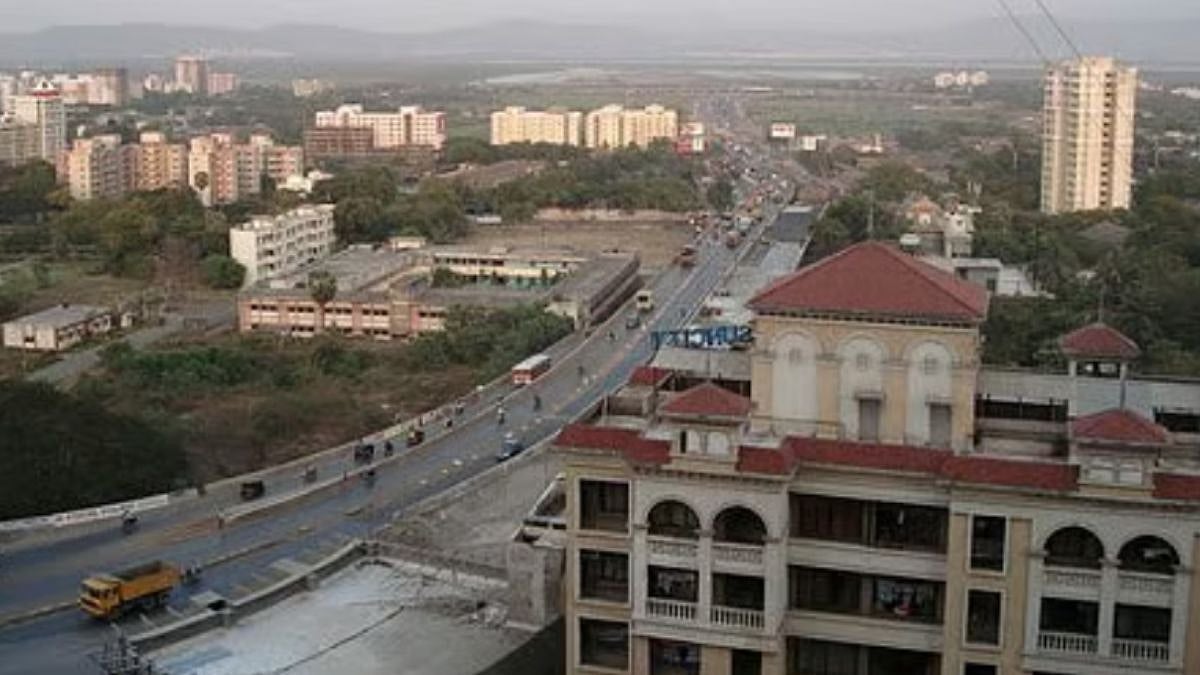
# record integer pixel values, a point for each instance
(415, 15)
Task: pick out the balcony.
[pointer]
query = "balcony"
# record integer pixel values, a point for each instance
(672, 548)
(1141, 651)
(738, 554)
(671, 610)
(1066, 643)
(733, 617)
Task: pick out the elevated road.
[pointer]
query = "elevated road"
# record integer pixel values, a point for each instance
(44, 570)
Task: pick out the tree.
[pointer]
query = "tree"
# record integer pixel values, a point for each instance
(720, 195)
(323, 288)
(221, 271)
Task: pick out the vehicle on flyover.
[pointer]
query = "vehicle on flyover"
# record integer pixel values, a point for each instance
(530, 369)
(108, 596)
(687, 257)
(510, 447)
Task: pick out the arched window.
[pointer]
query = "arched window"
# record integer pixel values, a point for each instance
(673, 519)
(739, 525)
(1074, 547)
(1148, 553)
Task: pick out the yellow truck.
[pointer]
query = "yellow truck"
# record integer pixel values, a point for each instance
(108, 596)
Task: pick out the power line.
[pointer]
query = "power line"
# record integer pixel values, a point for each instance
(1058, 27)
(1024, 31)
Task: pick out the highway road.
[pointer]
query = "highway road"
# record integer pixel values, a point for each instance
(43, 569)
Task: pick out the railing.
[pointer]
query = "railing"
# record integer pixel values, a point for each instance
(1146, 583)
(1069, 643)
(736, 618)
(1072, 578)
(675, 548)
(674, 610)
(1141, 650)
(745, 554)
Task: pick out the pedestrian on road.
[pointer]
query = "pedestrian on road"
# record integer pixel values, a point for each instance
(500, 415)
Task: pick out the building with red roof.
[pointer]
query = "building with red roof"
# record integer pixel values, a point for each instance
(1098, 341)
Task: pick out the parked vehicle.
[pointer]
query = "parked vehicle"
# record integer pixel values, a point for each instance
(510, 447)
(687, 257)
(415, 437)
(108, 596)
(253, 489)
(364, 453)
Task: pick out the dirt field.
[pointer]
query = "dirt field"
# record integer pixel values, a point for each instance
(657, 242)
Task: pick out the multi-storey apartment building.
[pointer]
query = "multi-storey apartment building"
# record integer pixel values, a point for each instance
(18, 141)
(557, 126)
(42, 107)
(879, 505)
(1087, 136)
(614, 126)
(410, 126)
(222, 83)
(100, 167)
(272, 246)
(191, 74)
(160, 164)
(221, 170)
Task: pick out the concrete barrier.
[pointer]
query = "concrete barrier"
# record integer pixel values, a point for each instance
(190, 626)
(87, 515)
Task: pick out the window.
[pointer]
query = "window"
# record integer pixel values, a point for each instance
(940, 417)
(869, 412)
(603, 505)
(983, 617)
(910, 527)
(830, 518)
(741, 592)
(745, 662)
(1074, 547)
(604, 576)
(739, 525)
(604, 644)
(907, 599)
(673, 519)
(1149, 554)
(1069, 616)
(817, 657)
(669, 583)
(979, 669)
(1148, 624)
(825, 590)
(674, 658)
(988, 535)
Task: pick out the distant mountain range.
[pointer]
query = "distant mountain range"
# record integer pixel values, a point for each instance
(984, 40)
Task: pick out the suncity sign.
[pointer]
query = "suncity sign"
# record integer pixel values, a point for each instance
(710, 337)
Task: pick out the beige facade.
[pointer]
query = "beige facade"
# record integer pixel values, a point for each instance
(160, 164)
(43, 108)
(1087, 137)
(783, 533)
(99, 168)
(554, 126)
(614, 126)
(222, 171)
(191, 75)
(18, 141)
(409, 126)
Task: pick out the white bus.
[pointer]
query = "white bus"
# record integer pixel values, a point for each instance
(530, 369)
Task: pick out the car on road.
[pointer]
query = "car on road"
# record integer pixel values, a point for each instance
(633, 322)
(510, 447)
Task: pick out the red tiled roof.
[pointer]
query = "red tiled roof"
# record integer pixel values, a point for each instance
(875, 279)
(1176, 486)
(627, 441)
(648, 376)
(1011, 473)
(1120, 426)
(1099, 340)
(708, 400)
(976, 470)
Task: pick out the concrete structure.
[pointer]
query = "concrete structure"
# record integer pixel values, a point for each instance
(403, 291)
(58, 328)
(222, 83)
(303, 88)
(43, 108)
(781, 131)
(221, 170)
(946, 232)
(110, 87)
(160, 164)
(961, 79)
(614, 126)
(100, 167)
(191, 75)
(18, 141)
(273, 246)
(693, 139)
(556, 126)
(409, 126)
(338, 142)
(872, 507)
(1087, 137)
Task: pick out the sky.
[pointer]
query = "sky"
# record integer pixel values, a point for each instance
(419, 15)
